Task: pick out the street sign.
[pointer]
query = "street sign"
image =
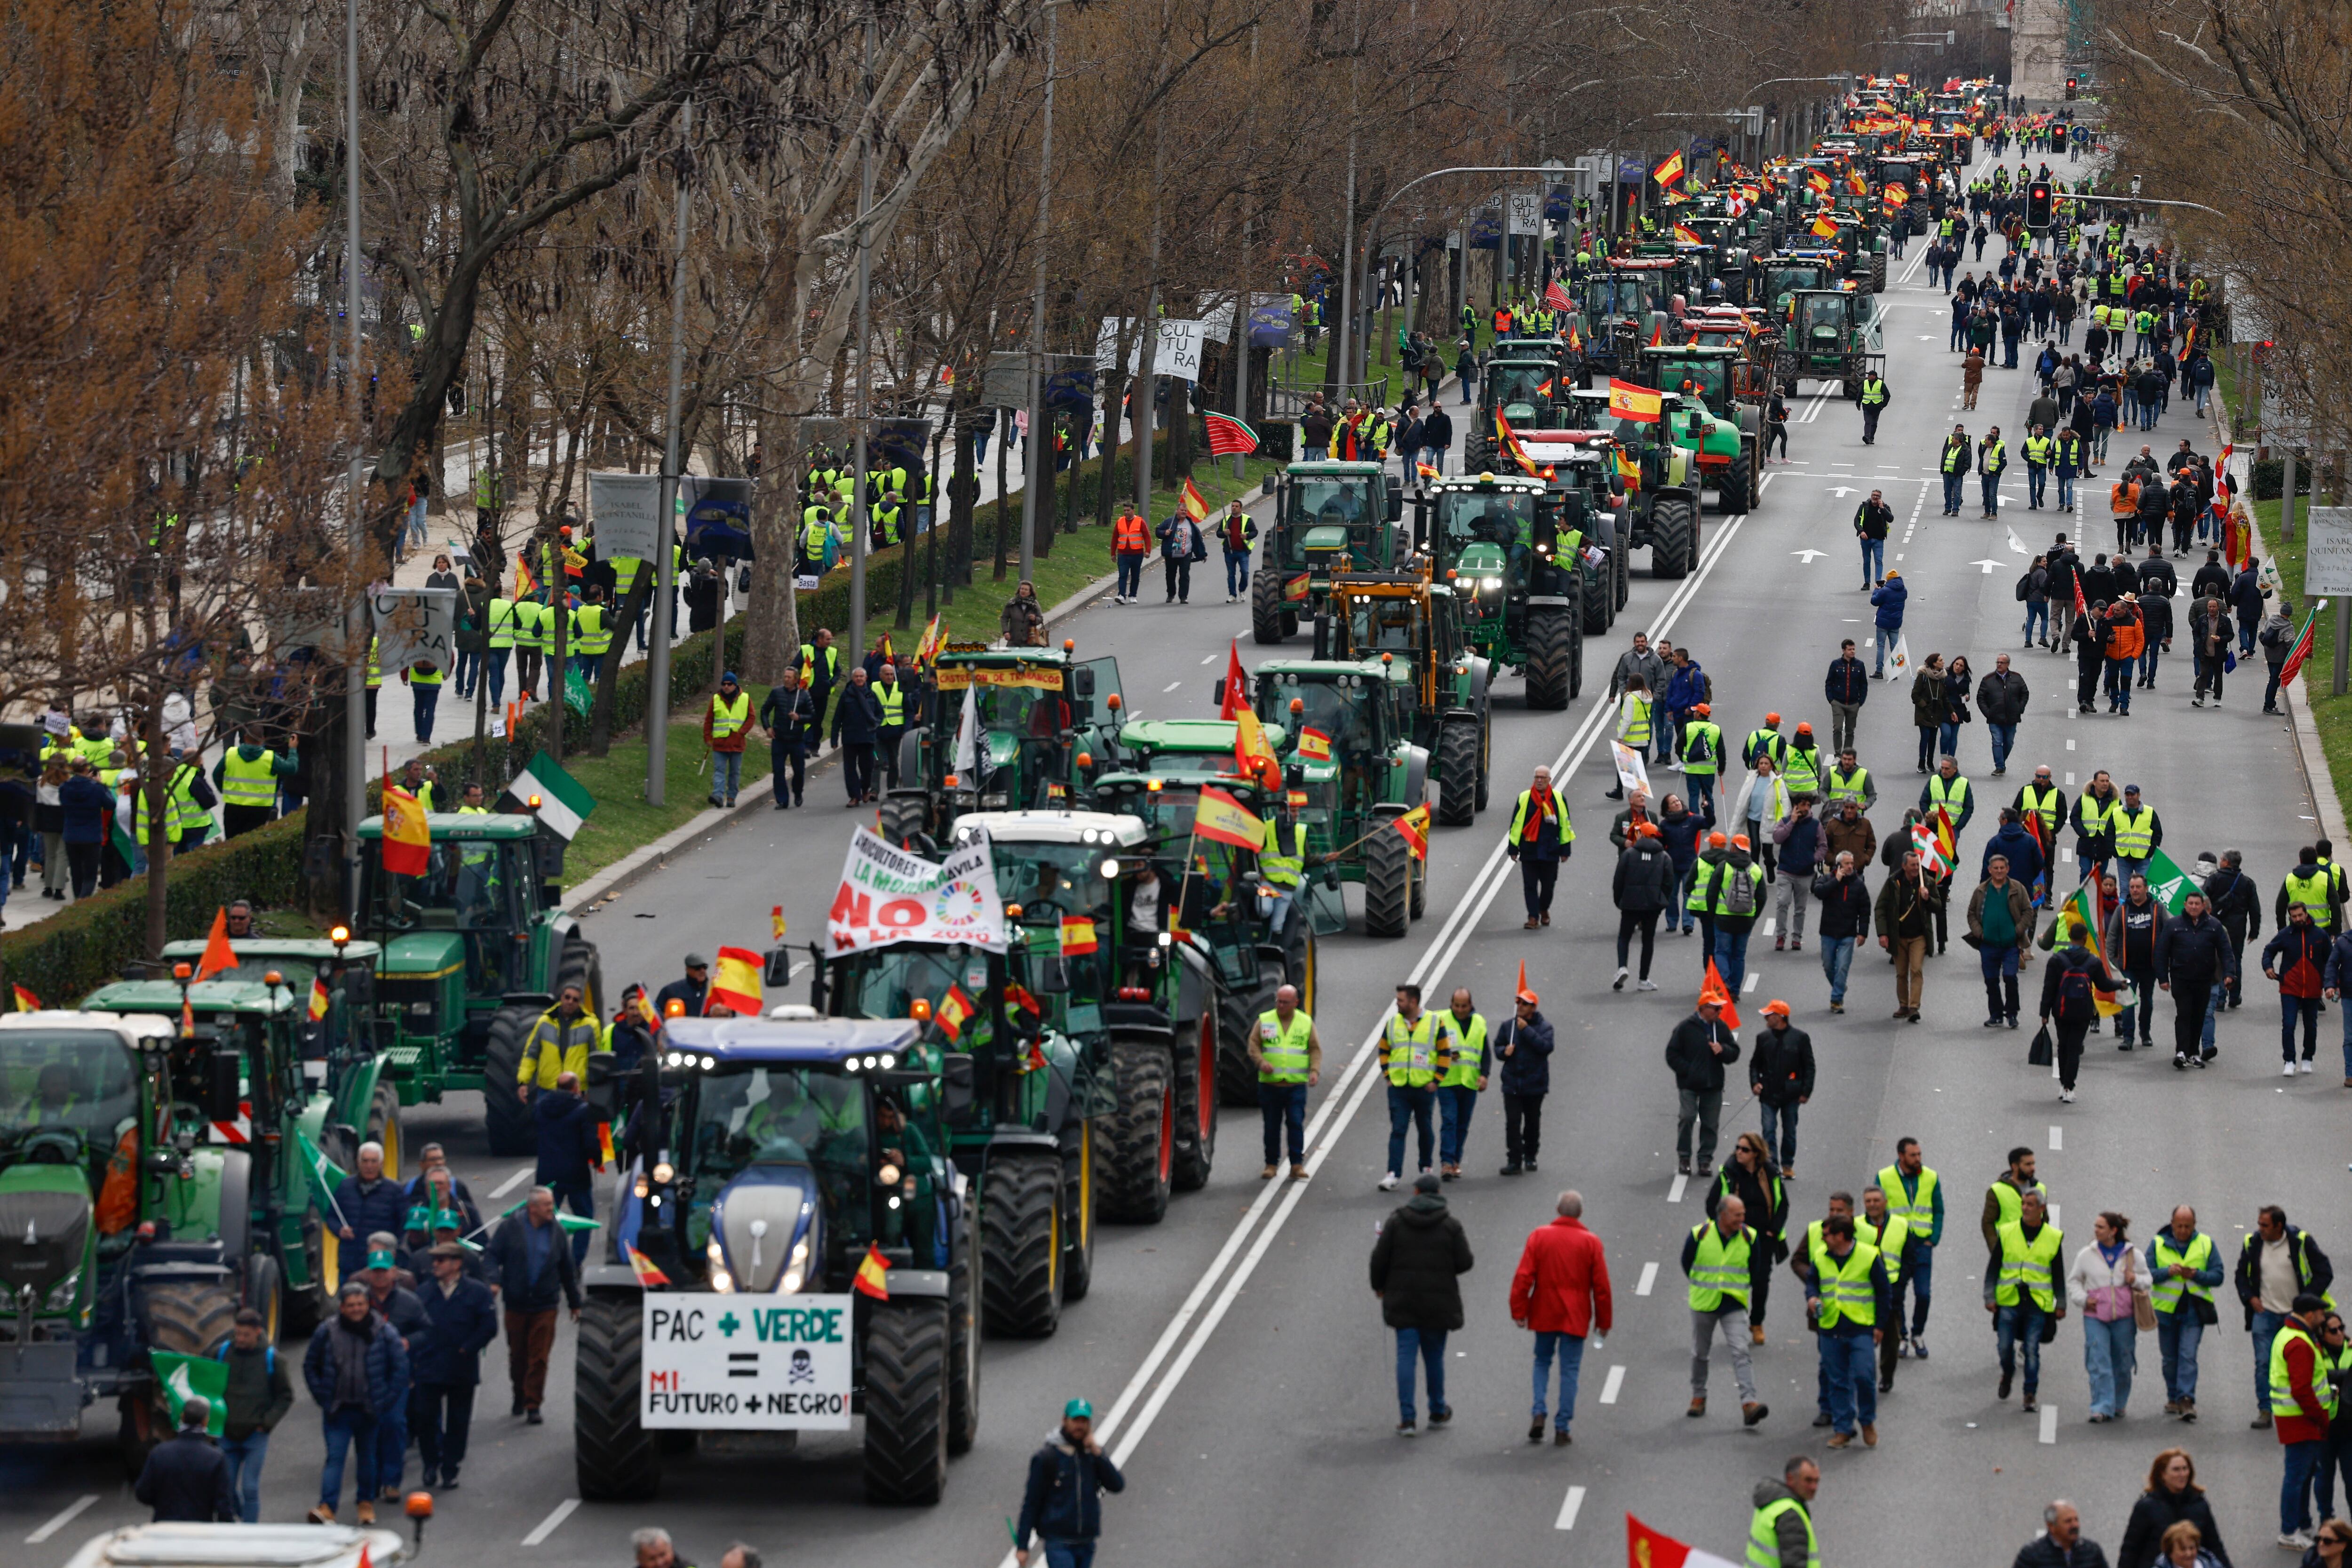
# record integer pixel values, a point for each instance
(2327, 560)
(628, 512)
(746, 1364)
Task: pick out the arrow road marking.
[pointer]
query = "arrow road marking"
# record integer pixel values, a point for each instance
(1808, 555)
(2018, 544)
(1987, 565)
(1842, 492)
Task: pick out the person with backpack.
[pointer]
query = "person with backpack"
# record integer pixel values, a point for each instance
(2069, 989)
(1736, 900)
(259, 1395)
(1643, 887)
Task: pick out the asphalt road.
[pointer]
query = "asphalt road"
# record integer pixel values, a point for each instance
(1241, 1331)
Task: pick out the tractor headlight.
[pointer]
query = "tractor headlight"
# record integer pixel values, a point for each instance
(61, 1294)
(720, 1280)
(664, 1172)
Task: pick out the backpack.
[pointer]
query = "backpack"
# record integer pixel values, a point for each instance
(269, 1363)
(2077, 1002)
(1740, 897)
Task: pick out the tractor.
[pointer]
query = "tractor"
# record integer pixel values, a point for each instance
(1662, 500)
(1619, 305)
(1329, 517)
(791, 1247)
(1791, 272)
(152, 1186)
(1420, 623)
(1722, 421)
(1525, 383)
(1039, 718)
(1512, 550)
(1830, 334)
(1349, 731)
(473, 950)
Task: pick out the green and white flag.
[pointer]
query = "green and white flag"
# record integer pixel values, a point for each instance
(325, 1175)
(563, 802)
(183, 1377)
(2167, 883)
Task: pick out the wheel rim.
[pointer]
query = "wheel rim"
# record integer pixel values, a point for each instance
(389, 1136)
(1167, 1129)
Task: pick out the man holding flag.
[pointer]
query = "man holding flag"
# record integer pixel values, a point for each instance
(1182, 542)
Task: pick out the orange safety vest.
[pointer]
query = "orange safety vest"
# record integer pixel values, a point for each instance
(1128, 535)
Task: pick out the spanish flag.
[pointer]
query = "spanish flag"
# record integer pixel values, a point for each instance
(1639, 404)
(1314, 744)
(1658, 332)
(1254, 755)
(1415, 825)
(318, 997)
(1508, 440)
(1819, 181)
(1667, 173)
(872, 1274)
(1021, 997)
(954, 1011)
(407, 838)
(1077, 936)
(1224, 820)
(26, 1001)
(1686, 235)
(736, 984)
(1856, 185)
(1824, 229)
(643, 1267)
(604, 1144)
(1195, 505)
(776, 921)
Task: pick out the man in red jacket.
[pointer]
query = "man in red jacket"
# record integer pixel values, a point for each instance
(1561, 1291)
(2303, 1402)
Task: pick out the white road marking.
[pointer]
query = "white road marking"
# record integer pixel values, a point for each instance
(1768, 926)
(1616, 1382)
(1988, 565)
(1169, 687)
(1675, 1192)
(1649, 1278)
(1752, 982)
(1807, 555)
(549, 1525)
(2065, 855)
(2048, 1423)
(2070, 746)
(2057, 1139)
(2053, 1215)
(1211, 659)
(1569, 1508)
(73, 1511)
(511, 1182)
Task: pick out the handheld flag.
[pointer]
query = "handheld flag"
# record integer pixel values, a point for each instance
(1668, 171)
(736, 982)
(1934, 852)
(574, 1223)
(319, 1001)
(604, 1144)
(1426, 472)
(1716, 991)
(2302, 649)
(1224, 820)
(1314, 745)
(1229, 436)
(776, 921)
(872, 1274)
(408, 836)
(1017, 995)
(325, 1175)
(218, 954)
(1856, 185)
(1647, 1548)
(1820, 183)
(1194, 504)
(643, 1267)
(1415, 825)
(2167, 882)
(928, 648)
(185, 1377)
(1688, 235)
(1235, 697)
(1639, 404)
(26, 1001)
(1254, 755)
(1556, 297)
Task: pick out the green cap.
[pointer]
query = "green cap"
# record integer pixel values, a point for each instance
(381, 1260)
(444, 1219)
(1078, 1410)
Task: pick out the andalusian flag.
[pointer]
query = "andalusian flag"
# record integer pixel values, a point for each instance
(1667, 173)
(1639, 404)
(1222, 818)
(2167, 882)
(2301, 650)
(185, 1377)
(1415, 825)
(1314, 744)
(872, 1274)
(1686, 235)
(1229, 436)
(1194, 504)
(736, 982)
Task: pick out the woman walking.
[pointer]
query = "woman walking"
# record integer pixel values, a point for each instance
(1958, 683)
(1927, 709)
(2107, 1278)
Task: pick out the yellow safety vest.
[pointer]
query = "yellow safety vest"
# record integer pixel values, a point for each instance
(1282, 1053)
(1918, 1213)
(425, 675)
(185, 812)
(1954, 796)
(592, 630)
(2042, 803)
(2010, 1205)
(1279, 869)
(726, 718)
(2170, 1288)
(531, 626)
(249, 784)
(375, 674)
(554, 1049)
(1702, 747)
(1801, 772)
(2282, 1402)
(2135, 832)
(1843, 1288)
(1763, 1531)
(501, 625)
(1415, 1053)
(893, 698)
(2027, 1265)
(1469, 1049)
(1519, 817)
(1854, 786)
(2312, 893)
(2091, 816)
(1719, 1268)
(1888, 1239)
(1634, 720)
(139, 818)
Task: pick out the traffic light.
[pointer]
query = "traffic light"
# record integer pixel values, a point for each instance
(2071, 83)
(2037, 204)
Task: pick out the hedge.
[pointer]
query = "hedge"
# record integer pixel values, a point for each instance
(2270, 478)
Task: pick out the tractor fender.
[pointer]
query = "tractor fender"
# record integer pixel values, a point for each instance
(541, 1000)
(1675, 492)
(1195, 985)
(610, 1278)
(1416, 775)
(1014, 1138)
(560, 930)
(358, 1094)
(1482, 673)
(931, 1284)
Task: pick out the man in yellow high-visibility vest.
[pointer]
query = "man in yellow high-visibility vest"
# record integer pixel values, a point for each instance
(1288, 1058)
(1414, 1054)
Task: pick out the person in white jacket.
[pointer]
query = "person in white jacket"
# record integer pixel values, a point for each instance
(1763, 802)
(2107, 1276)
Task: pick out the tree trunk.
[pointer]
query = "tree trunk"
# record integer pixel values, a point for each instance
(327, 831)
(939, 519)
(1114, 391)
(772, 633)
(1041, 532)
(1004, 445)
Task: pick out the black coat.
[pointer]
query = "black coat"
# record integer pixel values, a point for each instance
(1845, 905)
(565, 1127)
(1694, 1065)
(1528, 1069)
(2001, 697)
(1417, 1265)
(2157, 1511)
(185, 1481)
(463, 1322)
(857, 717)
(1645, 877)
(510, 1254)
(1781, 1064)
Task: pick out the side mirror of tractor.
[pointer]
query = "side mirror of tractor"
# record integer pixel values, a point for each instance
(1396, 498)
(779, 966)
(956, 1085)
(1082, 682)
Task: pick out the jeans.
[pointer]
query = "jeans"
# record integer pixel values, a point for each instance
(1429, 1345)
(2335, 1456)
(1412, 1104)
(2066, 489)
(2017, 1330)
(1570, 1350)
(2264, 1329)
(1731, 958)
(1837, 961)
(1702, 794)
(1873, 561)
(352, 1431)
(1919, 1280)
(444, 1416)
(469, 665)
(1954, 484)
(1067, 1553)
(1701, 1107)
(1929, 734)
(1131, 574)
(1455, 1104)
(2291, 1008)
(2037, 613)
(244, 1456)
(1280, 1106)
(583, 1201)
(788, 762)
(2110, 1353)
(1730, 1321)
(494, 665)
(726, 776)
(2177, 1335)
(1947, 739)
(1849, 1368)
(2300, 1463)
(391, 1448)
(428, 698)
(2148, 662)
(1780, 1125)
(1237, 572)
(2003, 737)
(1989, 484)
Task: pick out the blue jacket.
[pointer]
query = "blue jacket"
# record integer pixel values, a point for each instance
(2024, 854)
(185, 1481)
(463, 1323)
(558, 1276)
(387, 1365)
(1681, 835)
(1064, 1498)
(1887, 600)
(384, 1207)
(1687, 686)
(88, 806)
(566, 1128)
(1527, 1069)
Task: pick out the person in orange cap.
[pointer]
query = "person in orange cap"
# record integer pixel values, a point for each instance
(1701, 1046)
(1780, 1077)
(1523, 1047)
(1767, 740)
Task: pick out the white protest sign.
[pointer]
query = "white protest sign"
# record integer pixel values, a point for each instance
(2327, 563)
(1179, 354)
(888, 896)
(415, 626)
(1630, 774)
(626, 509)
(746, 1362)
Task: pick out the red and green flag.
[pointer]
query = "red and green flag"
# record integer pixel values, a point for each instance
(1229, 436)
(2301, 649)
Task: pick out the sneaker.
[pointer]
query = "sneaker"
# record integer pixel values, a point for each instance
(1619, 984)
(1919, 1346)
(1796, 945)
(1387, 1183)
(2286, 1070)
(2031, 1404)
(1837, 1007)
(2066, 1097)
(1994, 1021)
(1407, 1429)
(1779, 945)
(533, 1418)
(2304, 1066)
(1903, 1350)
(1440, 1417)
(2300, 1541)
(1652, 986)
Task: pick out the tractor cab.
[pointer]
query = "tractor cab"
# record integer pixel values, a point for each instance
(1009, 728)
(1329, 517)
(1351, 733)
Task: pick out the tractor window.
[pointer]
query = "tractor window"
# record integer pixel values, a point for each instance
(1825, 311)
(746, 1116)
(1703, 376)
(66, 1096)
(1466, 516)
(1619, 296)
(1383, 624)
(1319, 501)
(1015, 710)
(885, 983)
(1519, 385)
(1326, 707)
(468, 885)
(295, 972)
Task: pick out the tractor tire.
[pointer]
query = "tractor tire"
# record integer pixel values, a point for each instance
(1268, 622)
(1553, 641)
(1621, 570)
(1878, 273)
(1458, 771)
(1420, 901)
(580, 966)
(190, 1318)
(1135, 1150)
(1593, 598)
(1739, 480)
(1299, 959)
(1755, 474)
(264, 1290)
(1079, 1207)
(1673, 538)
(1387, 882)
(1485, 755)
(1020, 1246)
(907, 1418)
(1236, 1079)
(963, 1345)
(384, 1125)
(614, 1457)
(902, 815)
(1196, 1061)
(504, 1114)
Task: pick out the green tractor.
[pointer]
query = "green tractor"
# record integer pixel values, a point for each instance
(1619, 304)
(1661, 507)
(152, 1186)
(783, 1157)
(1329, 518)
(1830, 334)
(1041, 718)
(1793, 272)
(1526, 384)
(473, 950)
(1512, 550)
(1721, 421)
(1349, 729)
(1418, 622)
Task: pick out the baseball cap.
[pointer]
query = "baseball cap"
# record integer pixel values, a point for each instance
(696, 961)
(444, 1219)
(1704, 709)
(1425, 1182)
(1771, 718)
(1739, 841)
(1803, 728)
(1716, 841)
(1078, 1410)
(1777, 1005)
(381, 1259)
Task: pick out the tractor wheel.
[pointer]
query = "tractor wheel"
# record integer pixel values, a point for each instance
(1236, 1079)
(1078, 1209)
(1485, 755)
(907, 1418)
(190, 1318)
(1621, 568)
(1299, 959)
(384, 1125)
(1738, 482)
(1755, 474)
(1878, 273)
(580, 966)
(1196, 1061)
(264, 1290)
(1673, 537)
(963, 1345)
(1592, 597)
(614, 1457)
(902, 816)
(505, 1115)
(1138, 1138)
(1387, 882)
(1552, 639)
(1268, 623)
(1420, 901)
(1458, 771)
(1020, 1246)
